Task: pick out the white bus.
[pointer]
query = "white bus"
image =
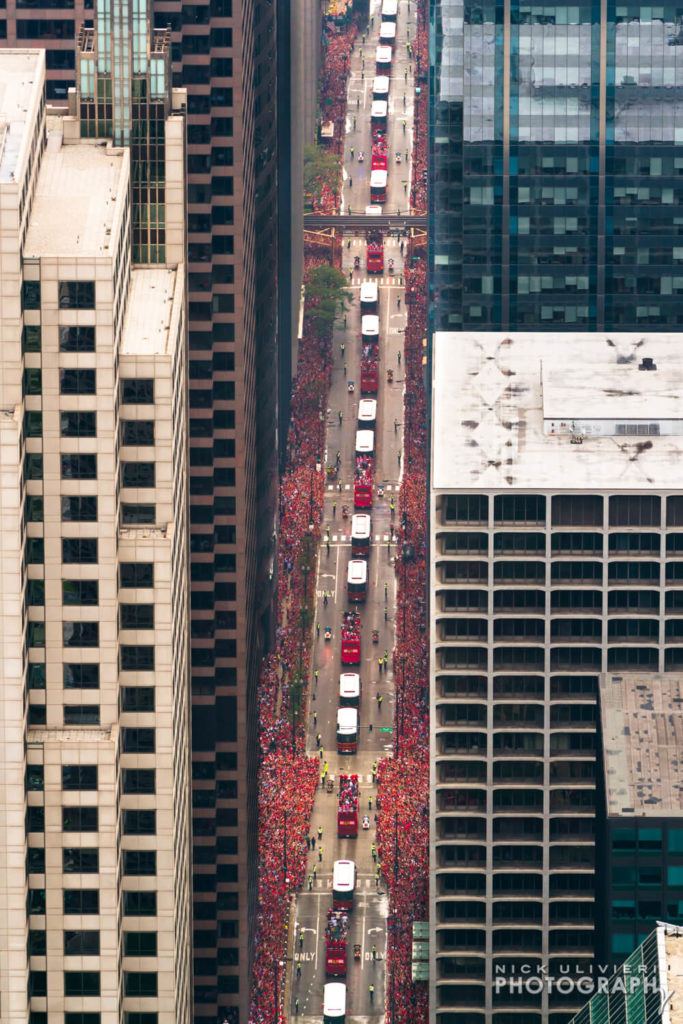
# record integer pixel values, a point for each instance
(369, 327)
(383, 57)
(334, 1003)
(357, 581)
(367, 413)
(378, 187)
(347, 731)
(389, 10)
(387, 33)
(365, 442)
(369, 297)
(343, 882)
(361, 529)
(378, 113)
(349, 690)
(380, 87)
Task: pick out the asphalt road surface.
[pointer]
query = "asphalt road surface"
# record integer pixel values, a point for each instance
(368, 919)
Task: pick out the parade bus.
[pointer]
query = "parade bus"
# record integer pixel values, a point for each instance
(343, 884)
(369, 328)
(389, 10)
(361, 528)
(380, 88)
(369, 298)
(387, 33)
(378, 187)
(347, 731)
(334, 1003)
(367, 413)
(357, 580)
(383, 57)
(378, 114)
(349, 690)
(365, 442)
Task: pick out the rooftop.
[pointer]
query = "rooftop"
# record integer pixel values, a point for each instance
(78, 189)
(492, 391)
(20, 74)
(673, 949)
(148, 313)
(642, 736)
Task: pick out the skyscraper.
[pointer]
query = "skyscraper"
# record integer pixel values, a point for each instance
(555, 510)
(94, 826)
(230, 55)
(556, 159)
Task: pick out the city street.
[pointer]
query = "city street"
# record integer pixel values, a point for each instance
(367, 925)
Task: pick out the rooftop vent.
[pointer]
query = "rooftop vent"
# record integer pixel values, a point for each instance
(646, 363)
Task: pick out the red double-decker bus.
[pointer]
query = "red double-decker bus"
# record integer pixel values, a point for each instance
(369, 370)
(362, 484)
(336, 932)
(350, 639)
(347, 808)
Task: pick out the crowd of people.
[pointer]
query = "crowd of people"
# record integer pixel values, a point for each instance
(418, 192)
(287, 778)
(339, 42)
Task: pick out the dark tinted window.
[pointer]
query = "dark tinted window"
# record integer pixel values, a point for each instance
(79, 549)
(136, 574)
(79, 467)
(137, 616)
(137, 698)
(635, 510)
(30, 295)
(79, 776)
(137, 391)
(139, 944)
(81, 677)
(78, 424)
(138, 741)
(80, 592)
(76, 294)
(79, 509)
(31, 338)
(577, 510)
(80, 860)
(139, 780)
(137, 657)
(77, 339)
(81, 714)
(81, 983)
(136, 514)
(77, 382)
(85, 943)
(80, 819)
(140, 983)
(138, 474)
(81, 901)
(137, 432)
(81, 634)
(139, 904)
(139, 823)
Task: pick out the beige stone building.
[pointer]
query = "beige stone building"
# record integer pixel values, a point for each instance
(94, 728)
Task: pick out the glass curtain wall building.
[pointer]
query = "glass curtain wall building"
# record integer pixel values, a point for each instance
(556, 143)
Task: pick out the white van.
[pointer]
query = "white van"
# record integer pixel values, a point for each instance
(380, 87)
(365, 442)
(387, 33)
(367, 413)
(369, 297)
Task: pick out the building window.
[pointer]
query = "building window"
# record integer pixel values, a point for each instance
(139, 943)
(81, 714)
(81, 634)
(37, 943)
(33, 423)
(30, 338)
(137, 391)
(139, 904)
(77, 339)
(142, 984)
(80, 592)
(35, 778)
(80, 819)
(35, 550)
(76, 294)
(519, 508)
(34, 508)
(577, 510)
(139, 823)
(136, 574)
(30, 295)
(139, 862)
(137, 433)
(37, 983)
(139, 780)
(84, 943)
(137, 698)
(79, 509)
(81, 983)
(33, 466)
(35, 592)
(36, 897)
(37, 714)
(466, 508)
(32, 381)
(36, 634)
(79, 777)
(81, 901)
(35, 819)
(81, 677)
(82, 1018)
(77, 382)
(133, 514)
(80, 550)
(79, 467)
(36, 676)
(138, 474)
(137, 616)
(635, 510)
(78, 424)
(138, 741)
(80, 860)
(137, 658)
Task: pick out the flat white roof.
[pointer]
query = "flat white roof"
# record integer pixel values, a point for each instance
(78, 189)
(488, 410)
(20, 75)
(387, 30)
(369, 323)
(148, 313)
(383, 54)
(378, 108)
(381, 83)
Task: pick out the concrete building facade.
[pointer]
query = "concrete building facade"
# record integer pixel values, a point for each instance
(555, 503)
(94, 827)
